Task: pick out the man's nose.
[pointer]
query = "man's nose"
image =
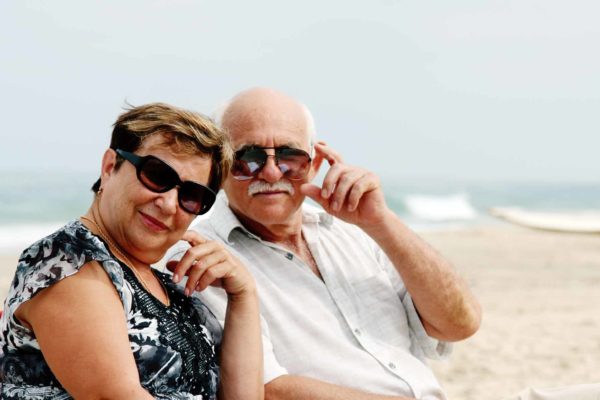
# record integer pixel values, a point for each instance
(270, 172)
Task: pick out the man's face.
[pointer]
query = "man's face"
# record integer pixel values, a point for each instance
(268, 198)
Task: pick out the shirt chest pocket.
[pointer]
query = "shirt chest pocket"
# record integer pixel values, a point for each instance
(380, 309)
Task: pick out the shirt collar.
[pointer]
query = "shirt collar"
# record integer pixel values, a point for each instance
(223, 219)
(225, 222)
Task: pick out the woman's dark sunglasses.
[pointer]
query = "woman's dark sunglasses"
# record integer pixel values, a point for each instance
(159, 177)
(248, 162)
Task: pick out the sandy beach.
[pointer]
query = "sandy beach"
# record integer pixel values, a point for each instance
(540, 293)
(541, 311)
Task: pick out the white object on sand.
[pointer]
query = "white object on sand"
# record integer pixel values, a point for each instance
(440, 208)
(568, 221)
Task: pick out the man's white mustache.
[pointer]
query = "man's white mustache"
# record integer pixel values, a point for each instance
(262, 187)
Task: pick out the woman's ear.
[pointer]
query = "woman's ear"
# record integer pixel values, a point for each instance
(109, 162)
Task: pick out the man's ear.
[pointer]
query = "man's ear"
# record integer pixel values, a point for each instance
(109, 161)
(316, 164)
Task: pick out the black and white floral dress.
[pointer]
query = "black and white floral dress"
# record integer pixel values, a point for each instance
(175, 347)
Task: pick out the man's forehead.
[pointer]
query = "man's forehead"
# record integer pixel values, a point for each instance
(272, 132)
(264, 119)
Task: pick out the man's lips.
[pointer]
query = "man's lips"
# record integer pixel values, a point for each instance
(272, 192)
(153, 223)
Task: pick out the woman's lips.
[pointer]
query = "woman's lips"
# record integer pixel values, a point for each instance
(153, 223)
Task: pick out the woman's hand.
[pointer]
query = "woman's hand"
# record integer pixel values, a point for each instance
(206, 263)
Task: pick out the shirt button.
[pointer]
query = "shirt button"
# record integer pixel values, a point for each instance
(289, 256)
(392, 365)
(357, 332)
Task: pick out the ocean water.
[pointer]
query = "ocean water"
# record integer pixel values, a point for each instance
(33, 205)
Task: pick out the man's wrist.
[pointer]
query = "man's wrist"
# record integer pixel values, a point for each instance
(383, 222)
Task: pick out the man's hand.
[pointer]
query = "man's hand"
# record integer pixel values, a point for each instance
(446, 306)
(207, 263)
(350, 193)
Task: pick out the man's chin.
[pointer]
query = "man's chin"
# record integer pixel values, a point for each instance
(275, 212)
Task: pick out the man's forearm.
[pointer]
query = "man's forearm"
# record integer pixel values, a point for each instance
(447, 307)
(293, 387)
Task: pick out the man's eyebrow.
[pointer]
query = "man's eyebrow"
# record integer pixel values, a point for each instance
(247, 146)
(295, 145)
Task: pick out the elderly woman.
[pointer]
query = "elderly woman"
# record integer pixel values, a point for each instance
(87, 316)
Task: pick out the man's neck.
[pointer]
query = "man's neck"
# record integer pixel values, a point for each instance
(288, 235)
(287, 232)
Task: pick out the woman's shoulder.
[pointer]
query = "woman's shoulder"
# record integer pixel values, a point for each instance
(55, 257)
(72, 243)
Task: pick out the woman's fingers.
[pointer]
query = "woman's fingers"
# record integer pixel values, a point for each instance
(194, 238)
(214, 274)
(192, 257)
(209, 263)
(202, 267)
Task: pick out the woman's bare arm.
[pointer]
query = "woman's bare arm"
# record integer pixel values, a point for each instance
(81, 329)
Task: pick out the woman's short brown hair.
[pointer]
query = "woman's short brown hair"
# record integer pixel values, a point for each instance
(187, 131)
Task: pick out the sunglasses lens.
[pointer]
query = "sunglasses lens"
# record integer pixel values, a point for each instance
(195, 199)
(247, 163)
(293, 163)
(158, 176)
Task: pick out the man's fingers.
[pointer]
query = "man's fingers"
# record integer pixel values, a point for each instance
(331, 179)
(344, 185)
(360, 187)
(314, 192)
(328, 153)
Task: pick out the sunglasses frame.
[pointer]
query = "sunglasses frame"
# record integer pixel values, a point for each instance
(238, 154)
(208, 195)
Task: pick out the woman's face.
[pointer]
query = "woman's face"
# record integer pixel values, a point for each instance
(144, 223)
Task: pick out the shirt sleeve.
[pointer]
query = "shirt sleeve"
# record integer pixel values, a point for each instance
(430, 347)
(216, 300)
(272, 368)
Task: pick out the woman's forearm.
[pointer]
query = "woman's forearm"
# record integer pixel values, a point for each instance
(241, 349)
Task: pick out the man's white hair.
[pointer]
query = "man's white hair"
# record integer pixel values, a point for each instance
(220, 111)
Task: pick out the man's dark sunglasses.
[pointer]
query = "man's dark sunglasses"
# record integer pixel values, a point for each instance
(159, 177)
(249, 161)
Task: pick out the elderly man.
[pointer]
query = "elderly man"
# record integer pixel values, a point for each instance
(352, 301)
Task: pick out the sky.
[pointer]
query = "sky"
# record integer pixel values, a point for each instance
(460, 90)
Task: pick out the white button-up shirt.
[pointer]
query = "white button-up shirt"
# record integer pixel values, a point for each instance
(357, 327)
